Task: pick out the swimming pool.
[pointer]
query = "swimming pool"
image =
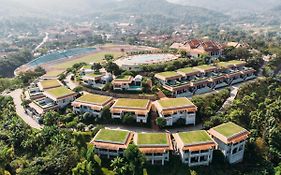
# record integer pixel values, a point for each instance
(146, 59)
(65, 54)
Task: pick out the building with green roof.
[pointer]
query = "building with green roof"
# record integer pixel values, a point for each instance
(92, 103)
(155, 146)
(174, 109)
(61, 95)
(231, 139)
(138, 108)
(195, 147)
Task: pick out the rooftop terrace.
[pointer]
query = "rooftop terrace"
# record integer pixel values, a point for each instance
(229, 129)
(174, 102)
(168, 74)
(112, 136)
(188, 70)
(195, 137)
(93, 98)
(152, 139)
(60, 92)
(49, 83)
(131, 103)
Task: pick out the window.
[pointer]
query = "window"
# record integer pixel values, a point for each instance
(234, 151)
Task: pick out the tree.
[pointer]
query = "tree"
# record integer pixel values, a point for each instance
(96, 67)
(120, 167)
(135, 159)
(161, 122)
(50, 118)
(108, 57)
(106, 114)
(128, 118)
(113, 68)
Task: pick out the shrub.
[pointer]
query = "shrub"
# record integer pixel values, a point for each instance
(161, 122)
(128, 118)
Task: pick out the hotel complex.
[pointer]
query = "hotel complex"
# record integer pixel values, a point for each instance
(205, 78)
(194, 147)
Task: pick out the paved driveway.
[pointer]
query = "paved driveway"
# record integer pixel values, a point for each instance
(16, 95)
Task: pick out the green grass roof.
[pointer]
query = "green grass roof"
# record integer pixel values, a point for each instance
(195, 137)
(94, 75)
(123, 78)
(205, 67)
(93, 98)
(228, 129)
(188, 70)
(50, 83)
(152, 139)
(168, 74)
(174, 102)
(59, 92)
(112, 136)
(236, 62)
(88, 66)
(224, 64)
(131, 103)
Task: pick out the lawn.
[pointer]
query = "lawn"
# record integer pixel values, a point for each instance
(228, 129)
(131, 103)
(96, 57)
(174, 102)
(60, 92)
(168, 74)
(113, 136)
(49, 83)
(93, 98)
(224, 64)
(152, 139)
(194, 137)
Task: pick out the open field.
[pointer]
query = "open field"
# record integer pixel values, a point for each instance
(96, 57)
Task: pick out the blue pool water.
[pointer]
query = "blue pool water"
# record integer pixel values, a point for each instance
(59, 55)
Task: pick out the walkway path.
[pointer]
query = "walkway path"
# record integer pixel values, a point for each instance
(233, 93)
(71, 84)
(16, 95)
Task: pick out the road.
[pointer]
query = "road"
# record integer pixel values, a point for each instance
(45, 39)
(16, 95)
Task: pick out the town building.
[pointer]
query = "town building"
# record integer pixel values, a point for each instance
(60, 95)
(92, 103)
(195, 147)
(231, 140)
(197, 47)
(138, 108)
(111, 143)
(173, 109)
(127, 83)
(155, 146)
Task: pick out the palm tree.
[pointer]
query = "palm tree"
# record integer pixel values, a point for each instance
(119, 166)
